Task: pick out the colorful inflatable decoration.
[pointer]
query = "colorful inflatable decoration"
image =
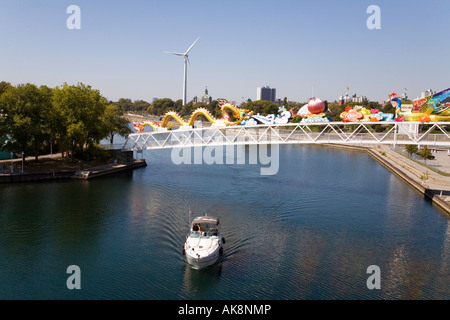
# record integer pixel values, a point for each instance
(314, 111)
(315, 118)
(140, 126)
(351, 115)
(283, 116)
(189, 123)
(237, 113)
(359, 113)
(316, 106)
(249, 122)
(426, 109)
(431, 108)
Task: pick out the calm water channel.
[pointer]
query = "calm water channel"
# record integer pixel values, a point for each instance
(309, 232)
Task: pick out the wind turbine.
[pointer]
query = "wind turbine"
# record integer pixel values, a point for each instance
(186, 62)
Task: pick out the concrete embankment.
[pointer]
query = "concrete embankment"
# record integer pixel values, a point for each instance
(85, 174)
(25, 177)
(432, 185)
(54, 167)
(108, 169)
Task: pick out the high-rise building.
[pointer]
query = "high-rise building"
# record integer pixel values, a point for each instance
(266, 93)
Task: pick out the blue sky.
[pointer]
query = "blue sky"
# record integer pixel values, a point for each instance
(292, 46)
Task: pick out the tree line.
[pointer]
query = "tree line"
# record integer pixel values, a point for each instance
(74, 118)
(161, 106)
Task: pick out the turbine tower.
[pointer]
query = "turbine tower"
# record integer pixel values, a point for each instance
(186, 62)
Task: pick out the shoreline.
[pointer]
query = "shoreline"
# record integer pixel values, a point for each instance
(54, 167)
(100, 171)
(85, 174)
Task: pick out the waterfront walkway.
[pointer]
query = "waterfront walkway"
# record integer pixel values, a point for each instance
(434, 185)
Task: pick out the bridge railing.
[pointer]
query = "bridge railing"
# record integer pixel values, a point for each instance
(357, 133)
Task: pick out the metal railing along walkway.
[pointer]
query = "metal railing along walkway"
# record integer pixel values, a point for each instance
(346, 133)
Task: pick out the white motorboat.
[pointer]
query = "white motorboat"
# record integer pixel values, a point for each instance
(204, 243)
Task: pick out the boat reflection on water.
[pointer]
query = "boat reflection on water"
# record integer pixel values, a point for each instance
(198, 281)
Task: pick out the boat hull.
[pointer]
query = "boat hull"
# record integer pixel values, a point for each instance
(203, 253)
(203, 262)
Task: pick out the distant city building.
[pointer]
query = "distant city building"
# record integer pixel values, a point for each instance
(346, 99)
(266, 93)
(360, 99)
(427, 93)
(206, 99)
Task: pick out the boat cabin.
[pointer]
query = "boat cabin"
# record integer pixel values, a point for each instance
(205, 226)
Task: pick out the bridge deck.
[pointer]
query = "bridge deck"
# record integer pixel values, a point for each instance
(358, 133)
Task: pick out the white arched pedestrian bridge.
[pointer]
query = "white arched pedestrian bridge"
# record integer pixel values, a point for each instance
(343, 133)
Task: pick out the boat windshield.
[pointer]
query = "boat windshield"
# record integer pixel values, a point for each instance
(204, 230)
(203, 235)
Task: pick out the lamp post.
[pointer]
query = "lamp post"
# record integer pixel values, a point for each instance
(22, 160)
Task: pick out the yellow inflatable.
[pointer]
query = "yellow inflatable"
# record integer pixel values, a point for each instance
(237, 113)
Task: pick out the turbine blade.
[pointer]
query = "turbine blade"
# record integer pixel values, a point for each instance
(191, 46)
(175, 53)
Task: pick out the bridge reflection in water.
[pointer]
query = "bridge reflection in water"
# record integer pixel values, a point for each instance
(347, 133)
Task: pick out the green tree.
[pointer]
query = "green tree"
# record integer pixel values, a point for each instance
(262, 107)
(114, 123)
(4, 86)
(80, 110)
(411, 148)
(125, 104)
(141, 105)
(425, 153)
(161, 106)
(388, 108)
(25, 118)
(215, 109)
(178, 105)
(296, 119)
(335, 110)
(189, 107)
(326, 105)
(373, 105)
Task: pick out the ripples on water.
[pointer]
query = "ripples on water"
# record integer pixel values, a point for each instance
(310, 232)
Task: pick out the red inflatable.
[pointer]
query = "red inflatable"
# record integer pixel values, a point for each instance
(316, 106)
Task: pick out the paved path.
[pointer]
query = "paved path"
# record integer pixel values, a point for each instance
(436, 183)
(420, 173)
